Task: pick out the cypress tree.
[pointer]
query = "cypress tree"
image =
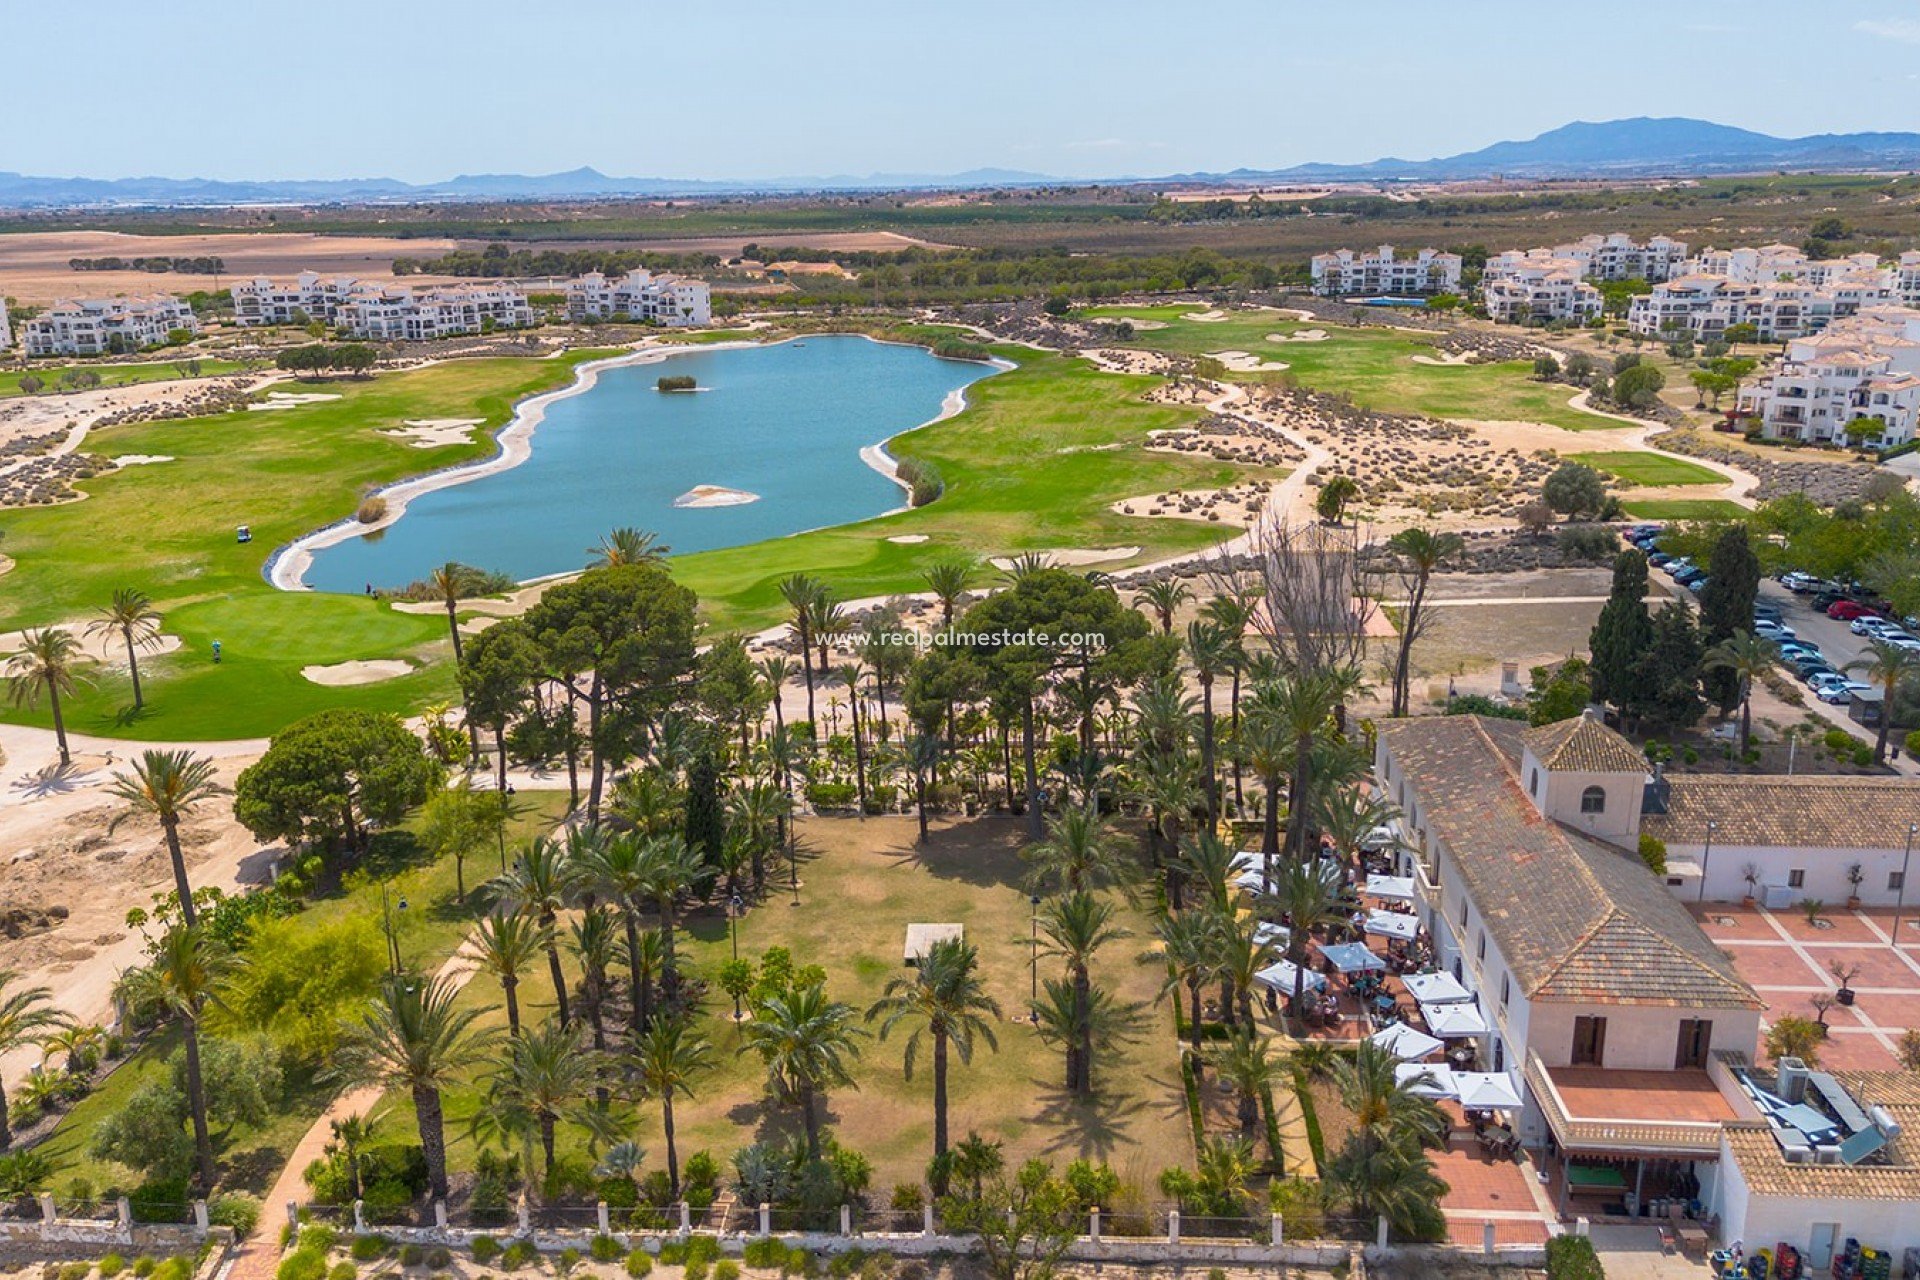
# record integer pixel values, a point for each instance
(706, 825)
(1624, 631)
(1726, 605)
(1666, 690)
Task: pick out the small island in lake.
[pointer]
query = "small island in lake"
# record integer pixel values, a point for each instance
(713, 495)
(680, 382)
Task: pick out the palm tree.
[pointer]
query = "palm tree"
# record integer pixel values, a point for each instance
(183, 978)
(592, 944)
(542, 882)
(47, 660)
(1209, 649)
(617, 869)
(1191, 949)
(776, 670)
(1304, 705)
(800, 591)
(923, 754)
(1080, 1021)
(131, 616)
(168, 785)
(414, 1038)
(1267, 744)
(1384, 1169)
(506, 943)
(449, 583)
(666, 1061)
(26, 1014)
(671, 869)
(351, 1136)
(946, 999)
(1208, 860)
(1164, 596)
(807, 1042)
(1165, 783)
(830, 623)
(1887, 666)
(77, 1044)
(1248, 1064)
(545, 1078)
(627, 546)
(1347, 814)
(646, 961)
(850, 676)
(757, 810)
(1749, 658)
(948, 580)
(1302, 893)
(1078, 853)
(1240, 960)
(1233, 613)
(1074, 927)
(1420, 552)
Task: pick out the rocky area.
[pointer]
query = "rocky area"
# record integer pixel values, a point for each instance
(18, 922)
(216, 395)
(42, 482)
(1230, 439)
(1827, 483)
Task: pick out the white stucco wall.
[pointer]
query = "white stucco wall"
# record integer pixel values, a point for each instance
(1826, 872)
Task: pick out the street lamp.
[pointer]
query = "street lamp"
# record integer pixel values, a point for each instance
(1900, 900)
(1705, 854)
(1033, 965)
(733, 930)
(386, 917)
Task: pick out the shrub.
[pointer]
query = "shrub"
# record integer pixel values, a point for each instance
(143, 1266)
(373, 509)
(439, 1258)
(768, 1253)
(485, 1249)
(412, 1255)
(605, 1249)
(318, 1236)
(303, 1264)
(1301, 1206)
(1653, 852)
(76, 1271)
(518, 1254)
(1572, 1258)
(908, 1198)
(367, 1248)
(568, 1260)
(697, 1269)
(726, 1269)
(112, 1265)
(343, 1271)
(640, 1262)
(237, 1210)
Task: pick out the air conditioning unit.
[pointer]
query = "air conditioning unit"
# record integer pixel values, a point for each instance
(1793, 1079)
(1776, 897)
(1827, 1155)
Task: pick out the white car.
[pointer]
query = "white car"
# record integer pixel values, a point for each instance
(1773, 630)
(1839, 692)
(1871, 625)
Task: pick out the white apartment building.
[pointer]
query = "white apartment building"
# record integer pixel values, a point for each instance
(1907, 278)
(398, 313)
(1378, 273)
(309, 296)
(641, 296)
(98, 326)
(1630, 1029)
(1864, 366)
(6, 328)
(1776, 288)
(391, 312)
(1620, 257)
(1537, 284)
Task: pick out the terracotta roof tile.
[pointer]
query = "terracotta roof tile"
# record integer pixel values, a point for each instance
(1807, 811)
(1583, 745)
(1767, 1172)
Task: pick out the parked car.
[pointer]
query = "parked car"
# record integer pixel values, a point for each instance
(1660, 559)
(1839, 692)
(1851, 610)
(1690, 575)
(1771, 630)
(1878, 629)
(1791, 649)
(1799, 583)
(1825, 600)
(1805, 664)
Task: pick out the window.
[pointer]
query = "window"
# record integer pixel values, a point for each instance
(1696, 1038)
(1589, 1042)
(1464, 908)
(1797, 878)
(1481, 952)
(1533, 783)
(1505, 984)
(1896, 880)
(1593, 800)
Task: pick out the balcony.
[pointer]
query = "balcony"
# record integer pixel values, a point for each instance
(1595, 1110)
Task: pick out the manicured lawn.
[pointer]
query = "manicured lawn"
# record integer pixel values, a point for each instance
(168, 529)
(1032, 465)
(1685, 509)
(112, 375)
(862, 884)
(1653, 470)
(251, 1157)
(1374, 366)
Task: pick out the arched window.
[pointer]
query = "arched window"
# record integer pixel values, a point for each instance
(1533, 783)
(1593, 800)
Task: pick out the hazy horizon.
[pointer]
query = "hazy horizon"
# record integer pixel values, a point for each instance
(429, 89)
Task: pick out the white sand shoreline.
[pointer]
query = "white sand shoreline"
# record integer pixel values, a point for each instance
(287, 567)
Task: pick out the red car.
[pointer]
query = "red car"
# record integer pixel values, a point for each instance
(1848, 610)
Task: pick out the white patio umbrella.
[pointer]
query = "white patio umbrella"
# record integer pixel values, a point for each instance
(1353, 957)
(1406, 1043)
(1390, 888)
(1269, 934)
(1280, 977)
(1426, 1081)
(1487, 1090)
(1454, 1021)
(1437, 988)
(1391, 924)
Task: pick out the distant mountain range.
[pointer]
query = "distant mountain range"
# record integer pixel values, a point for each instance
(1638, 147)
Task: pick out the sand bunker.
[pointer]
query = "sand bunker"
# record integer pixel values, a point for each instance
(1247, 362)
(141, 459)
(713, 495)
(291, 399)
(1449, 361)
(1071, 557)
(341, 674)
(1140, 325)
(6, 565)
(432, 433)
(908, 538)
(1300, 335)
(1210, 316)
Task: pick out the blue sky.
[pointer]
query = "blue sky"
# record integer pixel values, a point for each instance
(425, 89)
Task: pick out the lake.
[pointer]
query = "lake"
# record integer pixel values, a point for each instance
(785, 422)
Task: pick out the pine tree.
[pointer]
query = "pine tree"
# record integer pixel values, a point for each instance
(1666, 689)
(1726, 605)
(1623, 633)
